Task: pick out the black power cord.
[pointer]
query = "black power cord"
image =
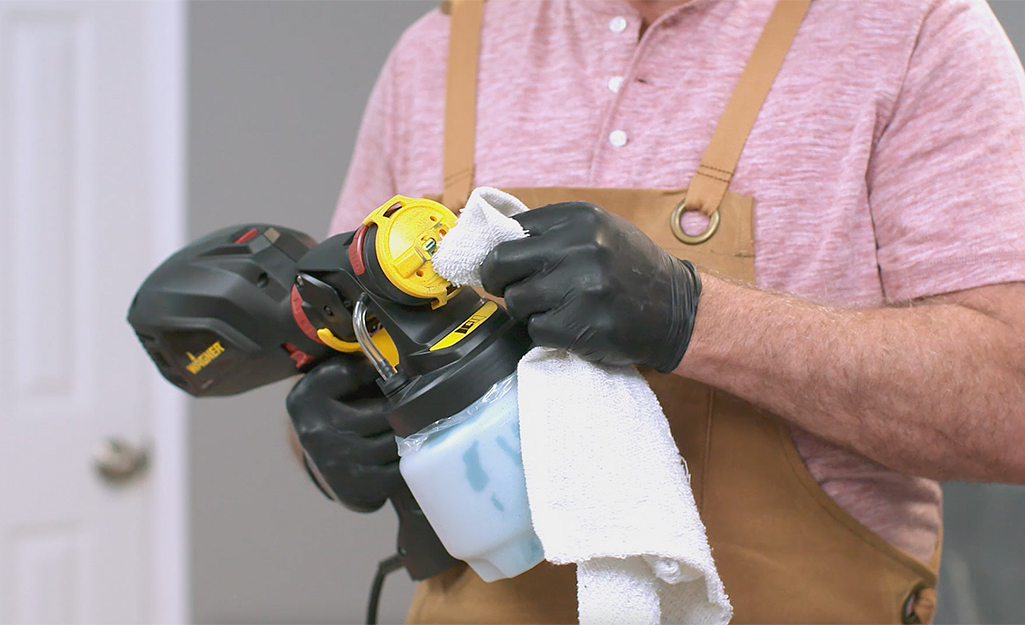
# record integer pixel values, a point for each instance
(384, 568)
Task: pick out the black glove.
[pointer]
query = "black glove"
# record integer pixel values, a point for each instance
(338, 414)
(592, 283)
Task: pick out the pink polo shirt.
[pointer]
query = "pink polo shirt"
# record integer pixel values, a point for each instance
(887, 164)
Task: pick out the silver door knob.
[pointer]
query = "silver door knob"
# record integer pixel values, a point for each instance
(118, 461)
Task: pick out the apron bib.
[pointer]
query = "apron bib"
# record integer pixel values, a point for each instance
(786, 552)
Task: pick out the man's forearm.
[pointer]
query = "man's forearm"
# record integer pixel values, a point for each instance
(936, 390)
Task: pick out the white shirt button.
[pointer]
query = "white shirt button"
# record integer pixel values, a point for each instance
(618, 24)
(617, 138)
(615, 83)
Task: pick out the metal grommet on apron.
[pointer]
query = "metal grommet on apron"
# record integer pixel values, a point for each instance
(676, 226)
(920, 605)
(786, 552)
(908, 615)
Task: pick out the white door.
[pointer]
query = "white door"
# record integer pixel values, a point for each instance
(90, 125)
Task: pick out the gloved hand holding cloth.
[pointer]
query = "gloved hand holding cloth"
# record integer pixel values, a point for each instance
(598, 296)
(593, 284)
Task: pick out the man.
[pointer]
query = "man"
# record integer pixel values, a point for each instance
(877, 320)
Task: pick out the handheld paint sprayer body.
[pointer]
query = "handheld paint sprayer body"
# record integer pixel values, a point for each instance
(250, 305)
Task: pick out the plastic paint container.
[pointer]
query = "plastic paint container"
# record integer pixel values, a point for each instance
(466, 473)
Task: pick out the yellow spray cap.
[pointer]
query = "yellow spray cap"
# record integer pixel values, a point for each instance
(408, 233)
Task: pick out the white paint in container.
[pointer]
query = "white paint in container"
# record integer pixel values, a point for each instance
(466, 473)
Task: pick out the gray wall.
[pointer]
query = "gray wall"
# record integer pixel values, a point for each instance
(276, 93)
(983, 574)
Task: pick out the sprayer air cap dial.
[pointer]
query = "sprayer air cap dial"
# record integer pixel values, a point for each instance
(408, 233)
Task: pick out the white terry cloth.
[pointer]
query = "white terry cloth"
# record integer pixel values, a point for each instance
(607, 487)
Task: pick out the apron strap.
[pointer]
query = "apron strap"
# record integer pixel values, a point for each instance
(707, 188)
(461, 100)
(934, 561)
(719, 162)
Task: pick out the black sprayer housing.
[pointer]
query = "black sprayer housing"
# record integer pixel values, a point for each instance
(216, 317)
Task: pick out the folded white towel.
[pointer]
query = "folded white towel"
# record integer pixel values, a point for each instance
(607, 487)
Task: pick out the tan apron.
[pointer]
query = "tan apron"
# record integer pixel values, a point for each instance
(787, 553)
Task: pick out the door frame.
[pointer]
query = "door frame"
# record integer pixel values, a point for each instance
(169, 546)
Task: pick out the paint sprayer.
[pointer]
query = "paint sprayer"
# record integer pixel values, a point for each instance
(253, 304)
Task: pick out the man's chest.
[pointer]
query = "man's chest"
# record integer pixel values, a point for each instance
(592, 106)
(573, 98)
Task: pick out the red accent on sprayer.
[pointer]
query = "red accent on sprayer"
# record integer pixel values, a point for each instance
(300, 357)
(248, 236)
(356, 251)
(300, 316)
